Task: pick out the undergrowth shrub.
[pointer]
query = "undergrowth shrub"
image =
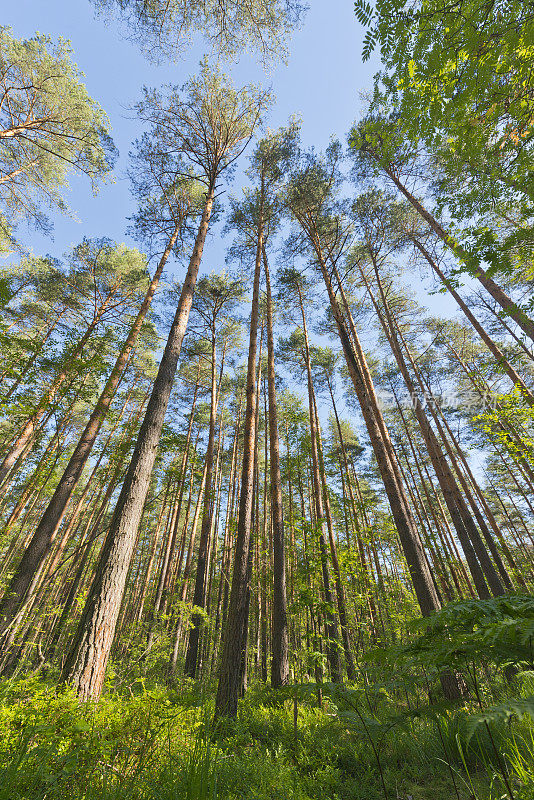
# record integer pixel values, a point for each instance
(391, 736)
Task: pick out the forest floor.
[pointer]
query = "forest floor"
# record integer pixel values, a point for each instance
(156, 743)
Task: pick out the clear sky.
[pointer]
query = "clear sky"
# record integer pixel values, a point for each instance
(321, 83)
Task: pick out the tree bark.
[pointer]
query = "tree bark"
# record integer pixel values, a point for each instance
(280, 637)
(423, 584)
(87, 659)
(470, 540)
(320, 518)
(340, 594)
(199, 594)
(233, 643)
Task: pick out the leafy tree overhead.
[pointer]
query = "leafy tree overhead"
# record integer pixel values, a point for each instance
(49, 128)
(458, 92)
(463, 68)
(230, 26)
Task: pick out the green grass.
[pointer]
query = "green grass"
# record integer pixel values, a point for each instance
(157, 744)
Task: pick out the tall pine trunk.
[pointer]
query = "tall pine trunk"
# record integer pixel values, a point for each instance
(320, 517)
(280, 638)
(233, 641)
(89, 652)
(199, 594)
(423, 584)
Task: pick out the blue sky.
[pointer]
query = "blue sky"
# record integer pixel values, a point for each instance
(321, 83)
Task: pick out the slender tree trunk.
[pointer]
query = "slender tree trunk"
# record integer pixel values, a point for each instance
(340, 594)
(508, 328)
(199, 595)
(361, 549)
(418, 457)
(150, 565)
(421, 579)
(489, 514)
(492, 547)
(92, 532)
(86, 662)
(498, 294)
(280, 638)
(254, 524)
(486, 338)
(38, 547)
(229, 677)
(488, 568)
(469, 537)
(165, 571)
(226, 549)
(185, 577)
(263, 549)
(331, 624)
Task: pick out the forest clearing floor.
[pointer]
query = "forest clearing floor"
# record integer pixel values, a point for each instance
(157, 743)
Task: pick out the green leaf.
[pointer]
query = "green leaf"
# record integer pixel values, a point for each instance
(501, 713)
